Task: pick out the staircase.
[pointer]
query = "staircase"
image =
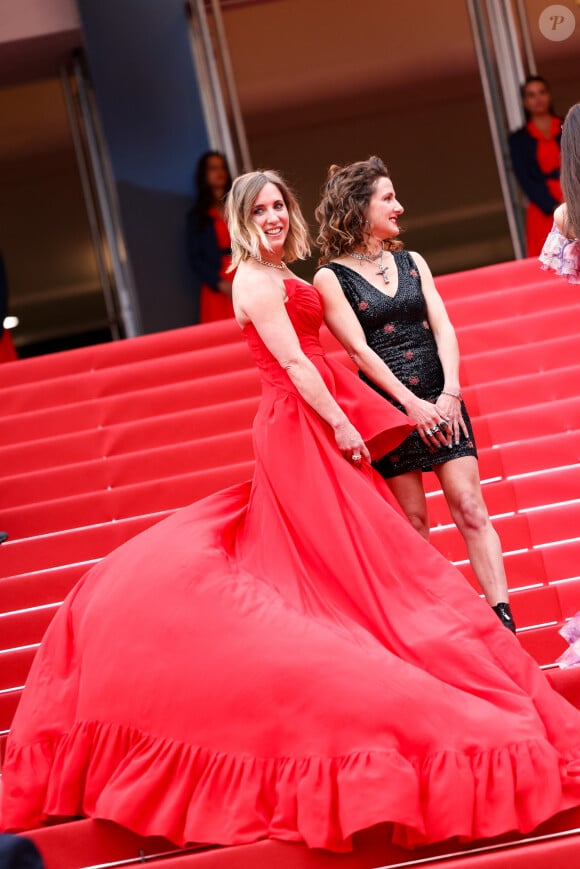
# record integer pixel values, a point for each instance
(99, 443)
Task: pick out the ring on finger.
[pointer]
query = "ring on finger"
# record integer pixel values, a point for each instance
(435, 429)
(443, 425)
(356, 457)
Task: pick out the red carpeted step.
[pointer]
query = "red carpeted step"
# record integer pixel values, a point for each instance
(555, 853)
(536, 606)
(544, 644)
(558, 852)
(515, 301)
(8, 703)
(500, 276)
(523, 568)
(39, 587)
(514, 392)
(89, 843)
(538, 326)
(83, 843)
(562, 561)
(70, 547)
(100, 356)
(109, 472)
(497, 363)
(526, 423)
(518, 494)
(202, 392)
(14, 667)
(569, 595)
(25, 627)
(207, 420)
(143, 434)
(514, 532)
(193, 368)
(542, 451)
(162, 494)
(547, 487)
(566, 683)
(558, 522)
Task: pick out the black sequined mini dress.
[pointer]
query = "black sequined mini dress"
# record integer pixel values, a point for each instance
(398, 330)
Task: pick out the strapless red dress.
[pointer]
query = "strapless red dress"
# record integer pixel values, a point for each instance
(289, 659)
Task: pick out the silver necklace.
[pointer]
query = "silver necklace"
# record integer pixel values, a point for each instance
(382, 270)
(265, 262)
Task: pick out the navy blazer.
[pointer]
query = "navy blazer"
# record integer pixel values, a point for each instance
(523, 151)
(203, 253)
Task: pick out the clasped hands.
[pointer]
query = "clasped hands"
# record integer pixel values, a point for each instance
(440, 424)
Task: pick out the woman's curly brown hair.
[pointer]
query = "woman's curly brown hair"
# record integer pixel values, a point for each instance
(341, 213)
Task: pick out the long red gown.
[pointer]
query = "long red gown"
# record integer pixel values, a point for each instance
(289, 659)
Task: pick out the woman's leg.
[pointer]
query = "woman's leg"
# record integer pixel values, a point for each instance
(408, 490)
(461, 486)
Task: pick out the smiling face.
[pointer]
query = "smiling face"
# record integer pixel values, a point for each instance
(384, 210)
(270, 214)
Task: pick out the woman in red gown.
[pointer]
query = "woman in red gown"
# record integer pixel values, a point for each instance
(288, 658)
(208, 239)
(535, 153)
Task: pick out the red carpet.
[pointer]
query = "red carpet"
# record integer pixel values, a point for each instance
(97, 444)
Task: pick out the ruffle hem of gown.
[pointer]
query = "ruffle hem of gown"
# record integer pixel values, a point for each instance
(195, 795)
(561, 255)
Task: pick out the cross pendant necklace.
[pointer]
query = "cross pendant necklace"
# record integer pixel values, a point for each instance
(382, 270)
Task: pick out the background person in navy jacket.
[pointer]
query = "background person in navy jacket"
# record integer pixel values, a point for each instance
(208, 239)
(535, 154)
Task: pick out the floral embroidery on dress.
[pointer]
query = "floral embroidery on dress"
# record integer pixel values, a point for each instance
(414, 380)
(414, 273)
(426, 324)
(363, 306)
(409, 354)
(389, 328)
(561, 255)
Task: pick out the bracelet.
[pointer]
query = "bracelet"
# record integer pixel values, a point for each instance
(456, 395)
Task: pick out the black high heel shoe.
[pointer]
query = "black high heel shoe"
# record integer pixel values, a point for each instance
(504, 614)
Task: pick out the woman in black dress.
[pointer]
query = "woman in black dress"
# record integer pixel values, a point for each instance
(366, 273)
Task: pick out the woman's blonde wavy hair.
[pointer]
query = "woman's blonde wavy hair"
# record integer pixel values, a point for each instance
(342, 211)
(246, 236)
